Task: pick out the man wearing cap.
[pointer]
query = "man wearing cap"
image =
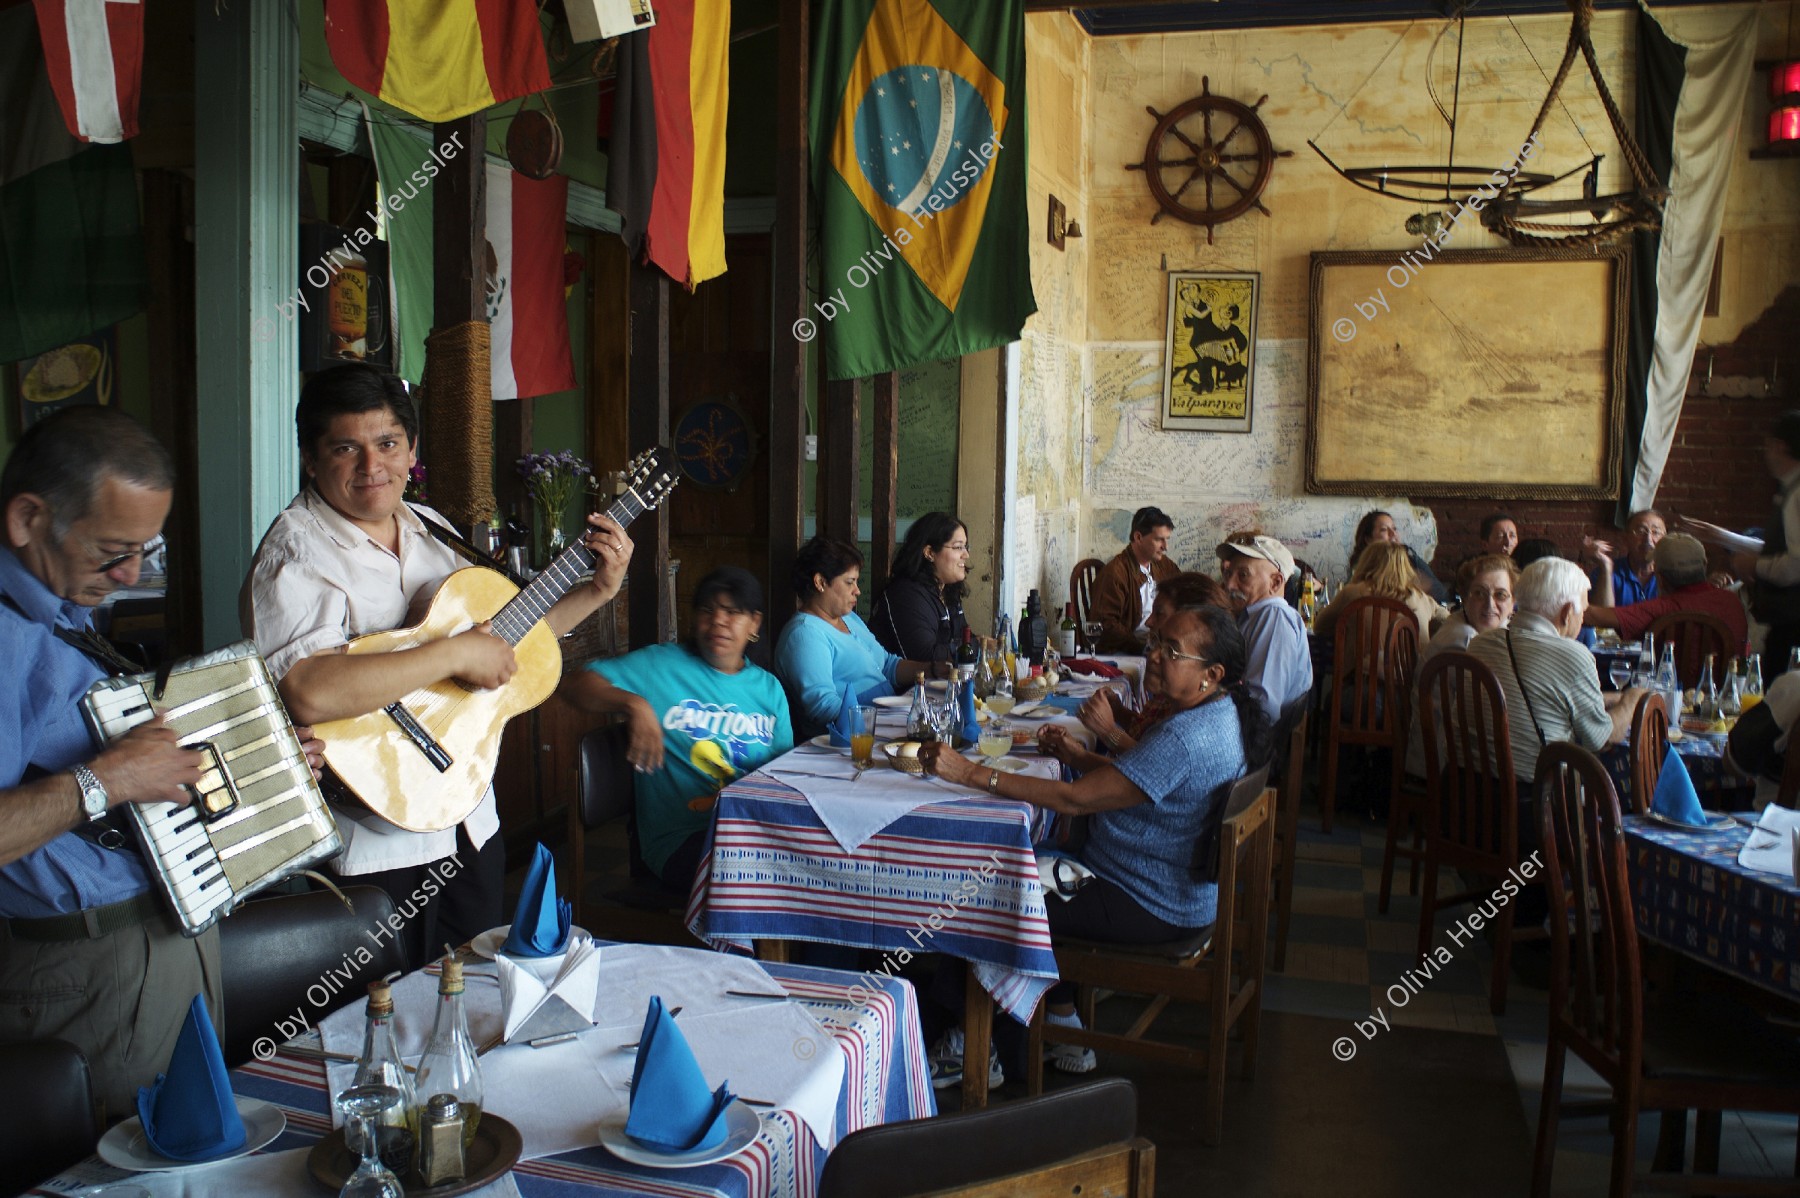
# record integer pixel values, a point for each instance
(1278, 667)
(1126, 589)
(1681, 564)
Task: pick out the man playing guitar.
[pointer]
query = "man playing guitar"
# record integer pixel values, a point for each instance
(349, 556)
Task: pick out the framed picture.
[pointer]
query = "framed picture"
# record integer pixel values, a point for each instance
(348, 315)
(1208, 359)
(1492, 373)
(80, 372)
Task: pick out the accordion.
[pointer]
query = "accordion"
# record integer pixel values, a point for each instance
(257, 815)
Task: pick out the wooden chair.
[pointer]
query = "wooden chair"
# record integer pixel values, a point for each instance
(1471, 802)
(1081, 1140)
(1649, 748)
(1287, 829)
(1695, 635)
(1364, 707)
(1669, 1057)
(50, 1118)
(1405, 801)
(1081, 593)
(1201, 969)
(642, 910)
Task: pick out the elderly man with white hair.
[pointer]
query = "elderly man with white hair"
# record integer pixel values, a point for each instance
(1551, 684)
(1278, 671)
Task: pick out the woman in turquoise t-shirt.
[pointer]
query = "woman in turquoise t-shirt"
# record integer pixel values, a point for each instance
(826, 646)
(700, 715)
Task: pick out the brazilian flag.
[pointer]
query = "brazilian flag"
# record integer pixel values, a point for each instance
(918, 135)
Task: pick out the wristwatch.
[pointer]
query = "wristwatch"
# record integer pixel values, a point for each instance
(994, 781)
(93, 794)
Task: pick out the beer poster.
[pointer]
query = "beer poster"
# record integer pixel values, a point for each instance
(345, 312)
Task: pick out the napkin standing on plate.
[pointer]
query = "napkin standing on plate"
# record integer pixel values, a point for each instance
(540, 926)
(189, 1113)
(531, 1008)
(1773, 846)
(1675, 797)
(671, 1108)
(849, 720)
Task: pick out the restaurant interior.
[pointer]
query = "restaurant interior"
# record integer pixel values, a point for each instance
(1241, 274)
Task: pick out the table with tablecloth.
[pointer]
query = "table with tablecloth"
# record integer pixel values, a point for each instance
(873, 1022)
(1720, 787)
(1690, 893)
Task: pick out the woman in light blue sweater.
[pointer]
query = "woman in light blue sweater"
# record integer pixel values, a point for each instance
(826, 646)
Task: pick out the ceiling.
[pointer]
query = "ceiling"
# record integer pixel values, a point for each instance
(1122, 17)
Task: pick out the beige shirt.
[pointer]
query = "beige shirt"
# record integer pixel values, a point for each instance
(317, 581)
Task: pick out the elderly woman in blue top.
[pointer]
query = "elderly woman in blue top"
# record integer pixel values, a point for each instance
(827, 647)
(699, 714)
(1153, 804)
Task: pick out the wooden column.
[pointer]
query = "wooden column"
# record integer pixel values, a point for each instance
(883, 501)
(168, 212)
(840, 450)
(459, 246)
(647, 424)
(787, 374)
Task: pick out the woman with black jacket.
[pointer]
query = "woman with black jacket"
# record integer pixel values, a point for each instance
(919, 614)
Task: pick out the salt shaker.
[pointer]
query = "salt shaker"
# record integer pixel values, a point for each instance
(441, 1141)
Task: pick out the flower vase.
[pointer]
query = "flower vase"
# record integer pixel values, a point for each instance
(551, 538)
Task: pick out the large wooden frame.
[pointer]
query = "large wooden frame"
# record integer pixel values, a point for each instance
(1407, 394)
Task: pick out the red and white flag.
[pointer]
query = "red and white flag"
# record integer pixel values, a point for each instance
(525, 301)
(94, 50)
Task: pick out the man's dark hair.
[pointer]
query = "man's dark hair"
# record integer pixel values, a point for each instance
(350, 390)
(64, 458)
(1147, 519)
(933, 530)
(1787, 431)
(825, 557)
(1535, 549)
(1492, 518)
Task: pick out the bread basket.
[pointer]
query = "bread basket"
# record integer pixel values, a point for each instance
(906, 765)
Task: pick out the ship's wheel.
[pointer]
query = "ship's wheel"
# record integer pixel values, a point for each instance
(1202, 178)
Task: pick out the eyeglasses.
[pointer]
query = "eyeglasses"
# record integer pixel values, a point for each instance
(1167, 649)
(113, 563)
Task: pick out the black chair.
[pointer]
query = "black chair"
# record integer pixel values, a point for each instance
(607, 790)
(47, 1109)
(1079, 1140)
(282, 952)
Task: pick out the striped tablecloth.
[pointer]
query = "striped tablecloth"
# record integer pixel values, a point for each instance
(876, 1026)
(775, 873)
(1689, 892)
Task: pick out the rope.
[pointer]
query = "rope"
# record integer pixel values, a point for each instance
(459, 392)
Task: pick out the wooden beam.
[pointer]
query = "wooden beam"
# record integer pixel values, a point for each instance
(840, 453)
(787, 372)
(168, 213)
(647, 424)
(459, 225)
(883, 503)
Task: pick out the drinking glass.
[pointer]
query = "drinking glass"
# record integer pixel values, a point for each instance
(1001, 702)
(1094, 629)
(1620, 673)
(362, 1105)
(995, 742)
(862, 745)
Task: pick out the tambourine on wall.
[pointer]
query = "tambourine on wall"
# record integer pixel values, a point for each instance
(348, 314)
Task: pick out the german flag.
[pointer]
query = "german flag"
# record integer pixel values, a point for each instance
(439, 60)
(666, 172)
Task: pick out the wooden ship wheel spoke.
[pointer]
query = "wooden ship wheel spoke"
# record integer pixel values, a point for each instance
(1244, 170)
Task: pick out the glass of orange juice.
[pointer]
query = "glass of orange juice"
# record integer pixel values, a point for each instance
(862, 745)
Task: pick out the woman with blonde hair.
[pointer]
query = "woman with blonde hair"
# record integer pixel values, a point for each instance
(1385, 570)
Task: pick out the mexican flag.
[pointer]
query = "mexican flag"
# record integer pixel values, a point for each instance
(71, 259)
(918, 141)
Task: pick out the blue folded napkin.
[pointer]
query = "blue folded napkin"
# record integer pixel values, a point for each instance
(540, 927)
(971, 725)
(671, 1108)
(1675, 796)
(189, 1114)
(849, 720)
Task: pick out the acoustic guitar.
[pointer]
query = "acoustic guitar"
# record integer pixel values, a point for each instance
(425, 761)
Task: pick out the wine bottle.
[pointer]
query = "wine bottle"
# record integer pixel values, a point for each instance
(1065, 641)
(965, 653)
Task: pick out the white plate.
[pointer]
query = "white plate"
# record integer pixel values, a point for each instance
(488, 943)
(1715, 820)
(900, 701)
(125, 1147)
(741, 1127)
(1006, 765)
(1034, 710)
(823, 741)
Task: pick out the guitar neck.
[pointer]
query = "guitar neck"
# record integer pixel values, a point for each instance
(530, 605)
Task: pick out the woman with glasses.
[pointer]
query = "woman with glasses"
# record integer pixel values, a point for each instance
(699, 715)
(1486, 583)
(920, 612)
(1156, 810)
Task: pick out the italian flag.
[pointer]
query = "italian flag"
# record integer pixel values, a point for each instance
(439, 59)
(94, 50)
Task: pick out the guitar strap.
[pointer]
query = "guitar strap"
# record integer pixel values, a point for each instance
(468, 549)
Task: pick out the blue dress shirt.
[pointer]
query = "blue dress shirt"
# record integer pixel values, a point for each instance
(1626, 587)
(1278, 664)
(41, 732)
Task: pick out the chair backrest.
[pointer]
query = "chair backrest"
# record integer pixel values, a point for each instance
(1287, 797)
(1695, 634)
(1400, 666)
(1081, 594)
(1028, 1146)
(1360, 688)
(605, 783)
(49, 1109)
(1596, 991)
(283, 951)
(1210, 846)
(1649, 748)
(1472, 801)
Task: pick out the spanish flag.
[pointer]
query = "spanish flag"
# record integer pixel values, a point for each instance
(438, 59)
(918, 139)
(666, 161)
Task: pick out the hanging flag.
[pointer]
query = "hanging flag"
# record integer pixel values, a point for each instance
(666, 160)
(525, 301)
(71, 255)
(440, 59)
(918, 136)
(94, 50)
